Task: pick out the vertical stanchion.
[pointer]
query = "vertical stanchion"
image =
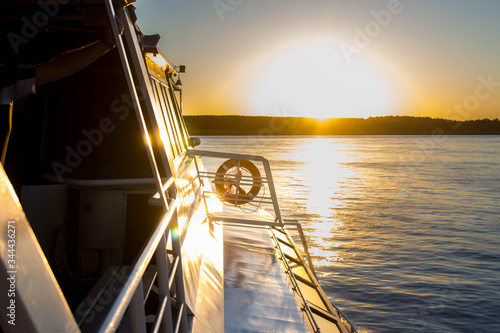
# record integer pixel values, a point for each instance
(162, 266)
(133, 91)
(179, 280)
(274, 198)
(136, 308)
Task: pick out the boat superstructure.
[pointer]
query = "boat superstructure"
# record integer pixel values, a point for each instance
(129, 228)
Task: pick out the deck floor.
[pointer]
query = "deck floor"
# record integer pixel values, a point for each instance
(257, 294)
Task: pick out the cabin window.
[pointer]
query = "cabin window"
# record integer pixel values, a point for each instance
(177, 115)
(161, 104)
(173, 122)
(165, 94)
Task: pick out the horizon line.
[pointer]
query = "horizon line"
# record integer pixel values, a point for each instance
(326, 119)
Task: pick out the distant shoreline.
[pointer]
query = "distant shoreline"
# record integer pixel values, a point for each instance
(388, 125)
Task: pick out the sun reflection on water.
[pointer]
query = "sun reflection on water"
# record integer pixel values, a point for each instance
(323, 245)
(326, 170)
(399, 231)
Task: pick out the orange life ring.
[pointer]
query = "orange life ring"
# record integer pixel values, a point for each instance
(227, 181)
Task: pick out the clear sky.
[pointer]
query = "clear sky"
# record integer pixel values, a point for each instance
(333, 58)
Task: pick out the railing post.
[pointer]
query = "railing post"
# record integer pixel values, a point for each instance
(129, 33)
(162, 266)
(306, 248)
(133, 284)
(136, 308)
(272, 189)
(179, 280)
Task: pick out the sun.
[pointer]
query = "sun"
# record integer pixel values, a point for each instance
(313, 79)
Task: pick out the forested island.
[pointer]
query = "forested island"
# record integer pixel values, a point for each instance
(388, 125)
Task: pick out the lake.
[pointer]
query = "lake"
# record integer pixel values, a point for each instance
(404, 230)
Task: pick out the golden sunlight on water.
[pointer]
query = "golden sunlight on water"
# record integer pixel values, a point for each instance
(403, 230)
(325, 170)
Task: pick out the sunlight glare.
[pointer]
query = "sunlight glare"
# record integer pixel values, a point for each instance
(313, 79)
(325, 171)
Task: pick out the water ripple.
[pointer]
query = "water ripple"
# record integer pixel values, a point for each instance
(405, 238)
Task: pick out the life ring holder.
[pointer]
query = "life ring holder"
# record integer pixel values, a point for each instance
(227, 179)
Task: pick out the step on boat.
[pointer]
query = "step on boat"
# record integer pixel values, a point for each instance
(118, 223)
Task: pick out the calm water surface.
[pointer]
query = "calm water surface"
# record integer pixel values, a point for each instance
(404, 231)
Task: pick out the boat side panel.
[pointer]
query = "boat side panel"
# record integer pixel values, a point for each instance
(26, 277)
(203, 275)
(202, 253)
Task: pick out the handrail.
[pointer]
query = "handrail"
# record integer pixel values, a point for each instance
(131, 84)
(295, 285)
(342, 316)
(159, 315)
(206, 153)
(265, 163)
(295, 223)
(304, 243)
(156, 244)
(121, 303)
(101, 182)
(179, 316)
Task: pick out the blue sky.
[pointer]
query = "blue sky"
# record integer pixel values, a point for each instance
(333, 58)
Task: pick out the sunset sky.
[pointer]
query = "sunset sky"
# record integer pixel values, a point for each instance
(333, 58)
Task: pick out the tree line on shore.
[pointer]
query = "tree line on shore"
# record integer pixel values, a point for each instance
(387, 125)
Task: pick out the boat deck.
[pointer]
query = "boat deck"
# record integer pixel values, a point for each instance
(234, 281)
(256, 264)
(257, 294)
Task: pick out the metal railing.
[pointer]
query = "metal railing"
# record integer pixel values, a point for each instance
(303, 241)
(295, 286)
(238, 180)
(332, 308)
(131, 295)
(262, 181)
